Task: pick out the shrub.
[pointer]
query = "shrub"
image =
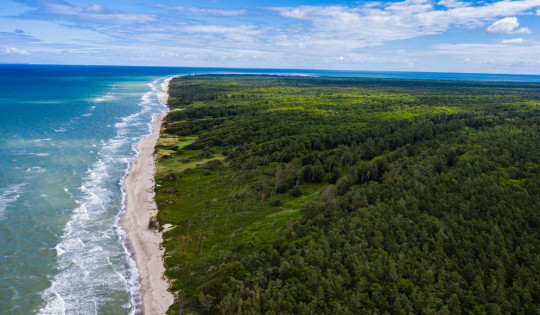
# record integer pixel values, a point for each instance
(153, 223)
(169, 177)
(296, 192)
(212, 164)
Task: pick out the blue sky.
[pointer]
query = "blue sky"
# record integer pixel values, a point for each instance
(410, 35)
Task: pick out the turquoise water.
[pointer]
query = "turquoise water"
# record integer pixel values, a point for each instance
(66, 139)
(67, 136)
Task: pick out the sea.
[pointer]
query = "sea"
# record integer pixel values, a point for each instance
(68, 135)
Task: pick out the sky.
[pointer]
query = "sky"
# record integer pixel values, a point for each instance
(411, 35)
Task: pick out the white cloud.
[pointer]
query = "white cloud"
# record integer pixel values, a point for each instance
(507, 25)
(373, 24)
(523, 30)
(315, 36)
(96, 8)
(15, 51)
(452, 3)
(203, 11)
(216, 12)
(222, 29)
(18, 36)
(233, 35)
(518, 40)
(98, 13)
(502, 54)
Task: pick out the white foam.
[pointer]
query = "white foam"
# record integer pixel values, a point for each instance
(9, 195)
(55, 305)
(36, 169)
(85, 254)
(59, 250)
(132, 274)
(60, 130)
(164, 94)
(107, 97)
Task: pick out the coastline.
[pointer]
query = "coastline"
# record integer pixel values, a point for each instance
(144, 243)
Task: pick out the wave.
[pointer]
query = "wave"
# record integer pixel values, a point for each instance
(22, 152)
(88, 260)
(36, 170)
(131, 267)
(8, 195)
(107, 97)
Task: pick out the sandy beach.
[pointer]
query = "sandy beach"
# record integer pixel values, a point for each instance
(145, 243)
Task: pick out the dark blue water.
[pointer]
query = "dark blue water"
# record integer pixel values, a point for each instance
(67, 135)
(156, 71)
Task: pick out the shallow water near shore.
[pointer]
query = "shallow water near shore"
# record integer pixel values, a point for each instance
(67, 136)
(66, 142)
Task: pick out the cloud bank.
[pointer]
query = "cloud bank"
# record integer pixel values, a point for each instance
(402, 35)
(16, 51)
(376, 23)
(98, 13)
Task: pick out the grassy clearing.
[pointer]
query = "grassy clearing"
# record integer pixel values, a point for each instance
(213, 213)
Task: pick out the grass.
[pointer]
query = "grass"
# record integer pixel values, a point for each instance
(213, 212)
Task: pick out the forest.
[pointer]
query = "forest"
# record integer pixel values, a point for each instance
(306, 195)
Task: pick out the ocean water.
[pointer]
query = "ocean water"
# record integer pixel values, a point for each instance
(67, 137)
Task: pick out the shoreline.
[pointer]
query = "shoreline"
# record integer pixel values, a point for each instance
(144, 244)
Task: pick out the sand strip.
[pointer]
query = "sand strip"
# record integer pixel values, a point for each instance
(145, 243)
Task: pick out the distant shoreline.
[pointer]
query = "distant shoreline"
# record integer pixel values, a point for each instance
(144, 243)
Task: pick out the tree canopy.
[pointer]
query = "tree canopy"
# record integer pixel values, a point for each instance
(348, 196)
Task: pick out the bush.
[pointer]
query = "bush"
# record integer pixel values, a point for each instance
(296, 192)
(212, 164)
(169, 177)
(153, 223)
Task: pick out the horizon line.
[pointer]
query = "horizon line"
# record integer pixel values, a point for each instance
(262, 68)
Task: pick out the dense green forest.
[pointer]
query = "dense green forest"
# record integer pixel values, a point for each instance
(300, 195)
